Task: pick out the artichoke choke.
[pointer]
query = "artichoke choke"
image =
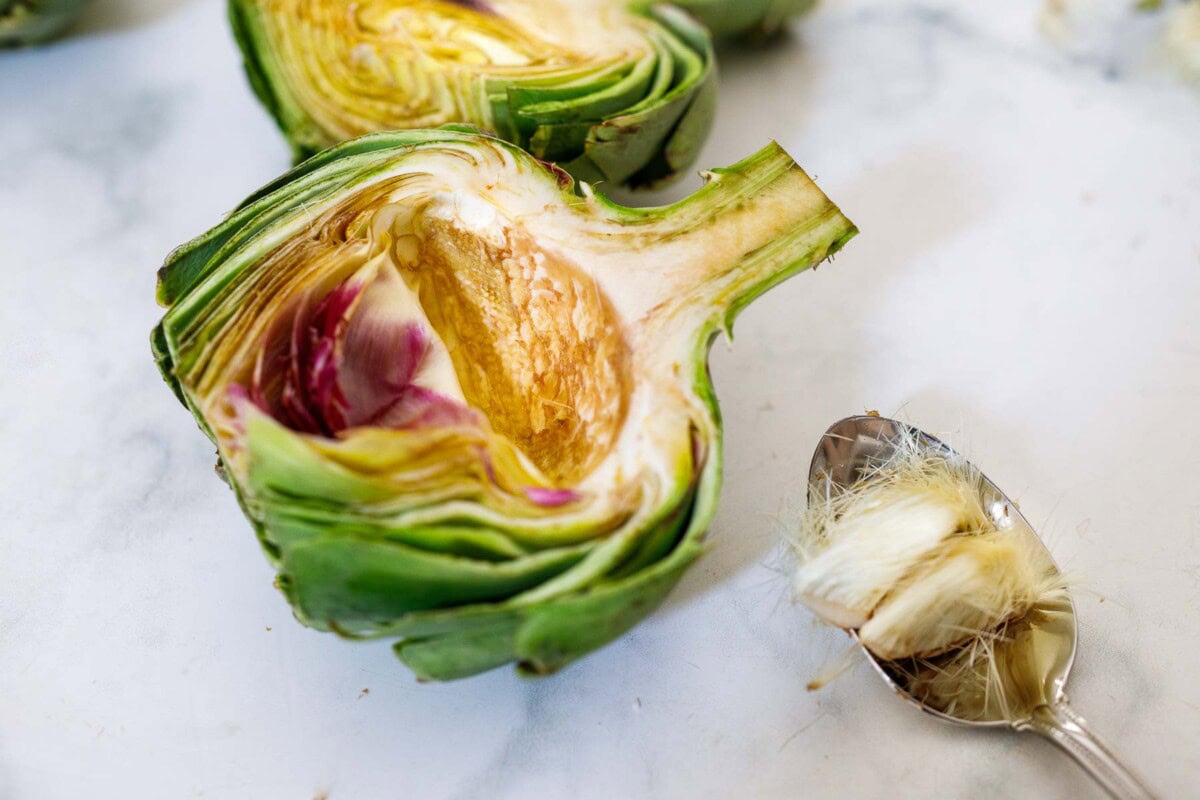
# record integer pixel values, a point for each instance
(909, 558)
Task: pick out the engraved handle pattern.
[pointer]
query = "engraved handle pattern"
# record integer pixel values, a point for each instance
(1059, 723)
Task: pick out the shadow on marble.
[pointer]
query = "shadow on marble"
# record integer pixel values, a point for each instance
(905, 207)
(740, 54)
(105, 16)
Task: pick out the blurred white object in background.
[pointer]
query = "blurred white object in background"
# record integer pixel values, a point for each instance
(1124, 34)
(1183, 37)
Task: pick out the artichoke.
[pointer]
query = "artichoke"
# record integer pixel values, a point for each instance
(611, 90)
(464, 406)
(753, 18)
(26, 22)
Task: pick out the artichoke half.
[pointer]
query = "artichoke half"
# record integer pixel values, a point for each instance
(753, 18)
(611, 90)
(464, 406)
(28, 22)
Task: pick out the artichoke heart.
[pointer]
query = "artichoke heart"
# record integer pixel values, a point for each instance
(752, 18)
(29, 22)
(971, 584)
(872, 547)
(621, 91)
(464, 406)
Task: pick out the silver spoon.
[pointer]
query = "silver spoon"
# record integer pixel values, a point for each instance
(1038, 652)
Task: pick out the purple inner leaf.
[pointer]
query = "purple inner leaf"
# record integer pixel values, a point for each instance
(355, 359)
(352, 361)
(475, 5)
(551, 498)
(561, 176)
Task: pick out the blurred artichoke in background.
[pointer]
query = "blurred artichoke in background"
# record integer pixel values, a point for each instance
(27, 22)
(753, 18)
(611, 90)
(462, 405)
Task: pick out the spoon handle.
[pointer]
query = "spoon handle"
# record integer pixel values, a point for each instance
(1059, 723)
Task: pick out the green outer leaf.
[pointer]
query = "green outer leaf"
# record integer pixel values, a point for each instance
(245, 20)
(288, 524)
(31, 22)
(563, 104)
(614, 125)
(337, 577)
(754, 18)
(548, 636)
(650, 144)
(465, 652)
(561, 631)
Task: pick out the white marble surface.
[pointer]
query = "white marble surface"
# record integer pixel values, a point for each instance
(1028, 278)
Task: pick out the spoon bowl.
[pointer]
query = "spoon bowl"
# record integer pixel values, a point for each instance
(1028, 661)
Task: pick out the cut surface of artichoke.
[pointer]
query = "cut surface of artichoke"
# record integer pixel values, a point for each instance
(611, 90)
(465, 406)
(29, 22)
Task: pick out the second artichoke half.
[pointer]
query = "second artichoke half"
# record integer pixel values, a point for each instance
(615, 91)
